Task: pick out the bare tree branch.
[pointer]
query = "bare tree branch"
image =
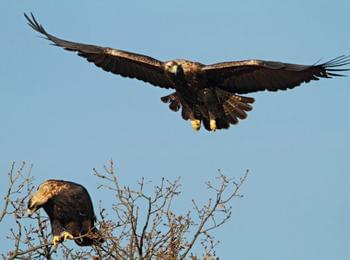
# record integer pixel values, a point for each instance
(139, 224)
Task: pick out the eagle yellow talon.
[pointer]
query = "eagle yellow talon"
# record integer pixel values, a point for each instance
(66, 235)
(56, 240)
(196, 124)
(213, 125)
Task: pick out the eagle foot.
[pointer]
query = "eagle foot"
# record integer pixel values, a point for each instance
(213, 125)
(66, 235)
(196, 124)
(56, 240)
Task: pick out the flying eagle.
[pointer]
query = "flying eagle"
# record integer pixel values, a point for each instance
(70, 211)
(207, 94)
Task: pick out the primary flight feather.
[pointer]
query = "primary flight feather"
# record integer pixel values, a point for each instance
(206, 94)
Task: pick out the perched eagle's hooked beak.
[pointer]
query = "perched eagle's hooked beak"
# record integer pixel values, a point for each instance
(32, 207)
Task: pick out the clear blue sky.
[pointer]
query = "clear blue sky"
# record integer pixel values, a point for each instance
(66, 116)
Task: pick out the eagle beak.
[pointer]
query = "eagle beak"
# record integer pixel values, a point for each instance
(174, 69)
(30, 212)
(31, 207)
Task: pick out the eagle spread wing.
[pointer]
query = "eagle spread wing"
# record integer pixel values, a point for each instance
(206, 93)
(120, 62)
(256, 75)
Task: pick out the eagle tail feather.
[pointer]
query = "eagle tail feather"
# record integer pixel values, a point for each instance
(222, 122)
(235, 107)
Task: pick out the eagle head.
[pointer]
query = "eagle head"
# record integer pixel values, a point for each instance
(43, 194)
(174, 68)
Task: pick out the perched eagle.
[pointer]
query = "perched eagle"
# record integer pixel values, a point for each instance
(70, 211)
(207, 94)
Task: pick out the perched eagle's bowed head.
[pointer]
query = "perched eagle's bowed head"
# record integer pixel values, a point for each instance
(208, 95)
(70, 211)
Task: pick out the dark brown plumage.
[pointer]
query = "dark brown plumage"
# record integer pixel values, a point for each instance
(206, 93)
(70, 211)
